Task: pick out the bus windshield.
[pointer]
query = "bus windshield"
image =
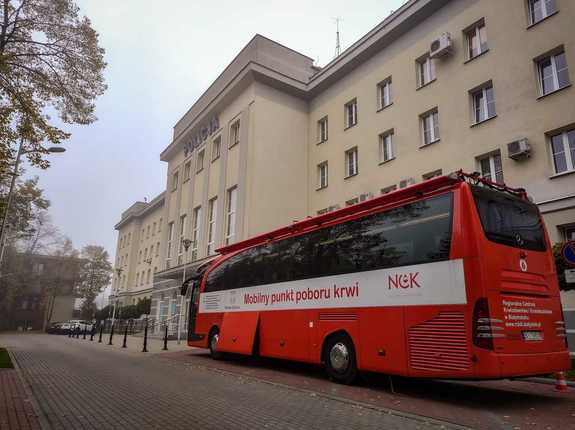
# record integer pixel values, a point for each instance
(509, 220)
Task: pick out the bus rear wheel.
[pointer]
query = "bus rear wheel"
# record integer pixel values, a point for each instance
(213, 344)
(339, 359)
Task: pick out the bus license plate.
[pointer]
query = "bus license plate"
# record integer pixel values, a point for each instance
(532, 335)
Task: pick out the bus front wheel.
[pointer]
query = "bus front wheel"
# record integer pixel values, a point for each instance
(213, 344)
(339, 359)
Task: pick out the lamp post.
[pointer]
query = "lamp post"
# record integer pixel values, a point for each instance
(21, 151)
(119, 271)
(186, 243)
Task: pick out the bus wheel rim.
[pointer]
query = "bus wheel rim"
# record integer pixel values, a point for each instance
(214, 342)
(339, 357)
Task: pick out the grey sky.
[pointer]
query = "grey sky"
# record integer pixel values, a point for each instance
(161, 57)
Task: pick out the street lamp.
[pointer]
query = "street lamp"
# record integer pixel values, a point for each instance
(21, 151)
(186, 243)
(119, 271)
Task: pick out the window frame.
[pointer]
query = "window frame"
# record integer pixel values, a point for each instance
(200, 158)
(322, 130)
(187, 171)
(551, 56)
(231, 213)
(425, 64)
(235, 130)
(182, 234)
(569, 159)
(434, 129)
(175, 180)
(169, 241)
(354, 116)
(493, 173)
(212, 224)
(547, 14)
(196, 230)
(216, 148)
(381, 93)
(322, 179)
(482, 91)
(348, 172)
(474, 30)
(382, 145)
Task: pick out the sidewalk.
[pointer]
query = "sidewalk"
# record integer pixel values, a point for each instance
(16, 411)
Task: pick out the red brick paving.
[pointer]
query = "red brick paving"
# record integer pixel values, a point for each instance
(16, 411)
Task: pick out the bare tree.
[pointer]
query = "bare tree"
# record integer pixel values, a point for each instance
(95, 275)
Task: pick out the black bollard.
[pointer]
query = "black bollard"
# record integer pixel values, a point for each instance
(145, 348)
(84, 336)
(165, 348)
(101, 331)
(92, 333)
(111, 335)
(70, 332)
(77, 332)
(125, 336)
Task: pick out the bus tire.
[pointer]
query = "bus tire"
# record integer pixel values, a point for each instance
(213, 344)
(339, 359)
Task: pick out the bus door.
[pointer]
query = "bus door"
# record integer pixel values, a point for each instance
(521, 310)
(193, 310)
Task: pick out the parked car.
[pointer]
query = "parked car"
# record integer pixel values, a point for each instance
(81, 325)
(55, 328)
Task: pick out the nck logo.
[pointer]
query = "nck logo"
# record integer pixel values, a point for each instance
(404, 280)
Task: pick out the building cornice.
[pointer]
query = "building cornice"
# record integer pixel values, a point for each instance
(145, 208)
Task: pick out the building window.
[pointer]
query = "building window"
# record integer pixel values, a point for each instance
(212, 219)
(483, 103)
(568, 232)
(181, 249)
(148, 276)
(350, 109)
(148, 232)
(384, 97)
(432, 175)
(137, 279)
(157, 249)
(140, 256)
(351, 167)
(553, 73)
(386, 152)
(232, 201)
(175, 181)
(563, 150)
(322, 130)
(142, 278)
(196, 231)
(187, 171)
(425, 70)
(476, 37)
(235, 133)
(200, 161)
(540, 9)
(389, 189)
(153, 229)
(322, 175)
(216, 147)
(169, 244)
(430, 127)
(491, 168)
(151, 251)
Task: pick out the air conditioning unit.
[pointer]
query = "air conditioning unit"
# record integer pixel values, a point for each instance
(333, 208)
(441, 47)
(519, 149)
(365, 196)
(406, 182)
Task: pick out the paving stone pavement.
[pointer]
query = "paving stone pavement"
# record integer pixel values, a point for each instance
(82, 385)
(16, 411)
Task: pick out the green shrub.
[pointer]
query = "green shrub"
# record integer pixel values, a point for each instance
(5, 362)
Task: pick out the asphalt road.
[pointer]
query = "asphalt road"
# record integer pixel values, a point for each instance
(79, 384)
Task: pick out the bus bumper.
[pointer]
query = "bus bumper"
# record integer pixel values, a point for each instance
(517, 365)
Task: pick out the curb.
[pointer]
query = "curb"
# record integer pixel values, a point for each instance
(44, 424)
(424, 419)
(547, 381)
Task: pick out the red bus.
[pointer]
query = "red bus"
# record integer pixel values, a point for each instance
(449, 278)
